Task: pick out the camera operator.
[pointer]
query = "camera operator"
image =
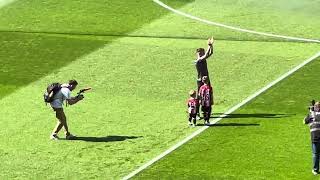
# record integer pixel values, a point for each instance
(313, 120)
(57, 105)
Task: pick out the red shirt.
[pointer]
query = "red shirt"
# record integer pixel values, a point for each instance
(205, 93)
(192, 104)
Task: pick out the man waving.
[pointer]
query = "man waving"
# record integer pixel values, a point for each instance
(201, 62)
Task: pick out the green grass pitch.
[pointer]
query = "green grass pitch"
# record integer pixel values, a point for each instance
(138, 57)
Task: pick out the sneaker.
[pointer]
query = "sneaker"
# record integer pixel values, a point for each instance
(54, 136)
(189, 123)
(193, 125)
(71, 137)
(314, 172)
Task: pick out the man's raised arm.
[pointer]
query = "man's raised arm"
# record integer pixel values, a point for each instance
(209, 51)
(74, 100)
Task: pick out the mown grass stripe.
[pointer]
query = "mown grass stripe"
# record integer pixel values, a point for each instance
(234, 108)
(232, 27)
(5, 2)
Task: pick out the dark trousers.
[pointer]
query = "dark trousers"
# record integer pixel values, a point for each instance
(192, 117)
(197, 110)
(206, 110)
(316, 155)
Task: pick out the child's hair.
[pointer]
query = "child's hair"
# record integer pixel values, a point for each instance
(205, 79)
(192, 93)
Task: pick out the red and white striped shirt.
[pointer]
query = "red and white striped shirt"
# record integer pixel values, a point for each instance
(192, 104)
(205, 93)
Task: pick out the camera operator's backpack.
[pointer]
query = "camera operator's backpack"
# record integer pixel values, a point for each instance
(52, 90)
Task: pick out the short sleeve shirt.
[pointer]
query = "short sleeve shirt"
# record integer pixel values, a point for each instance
(205, 93)
(60, 97)
(192, 104)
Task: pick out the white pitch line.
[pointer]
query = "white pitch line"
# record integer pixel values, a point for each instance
(248, 99)
(232, 27)
(5, 2)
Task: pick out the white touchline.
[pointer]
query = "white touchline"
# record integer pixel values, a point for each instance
(248, 99)
(233, 28)
(5, 2)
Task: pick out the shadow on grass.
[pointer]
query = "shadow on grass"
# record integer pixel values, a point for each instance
(231, 124)
(113, 35)
(106, 138)
(27, 57)
(254, 115)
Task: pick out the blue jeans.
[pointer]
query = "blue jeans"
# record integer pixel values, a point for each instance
(316, 155)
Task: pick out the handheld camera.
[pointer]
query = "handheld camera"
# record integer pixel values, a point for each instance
(80, 93)
(311, 107)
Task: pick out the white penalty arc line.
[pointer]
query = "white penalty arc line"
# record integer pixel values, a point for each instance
(248, 99)
(232, 27)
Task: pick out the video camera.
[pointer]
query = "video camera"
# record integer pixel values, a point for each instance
(311, 107)
(80, 93)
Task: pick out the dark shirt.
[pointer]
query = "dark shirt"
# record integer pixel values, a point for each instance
(202, 68)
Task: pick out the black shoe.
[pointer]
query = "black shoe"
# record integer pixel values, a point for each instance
(71, 137)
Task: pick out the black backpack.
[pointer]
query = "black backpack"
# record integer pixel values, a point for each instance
(52, 90)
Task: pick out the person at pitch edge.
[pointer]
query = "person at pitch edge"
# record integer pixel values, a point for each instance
(313, 120)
